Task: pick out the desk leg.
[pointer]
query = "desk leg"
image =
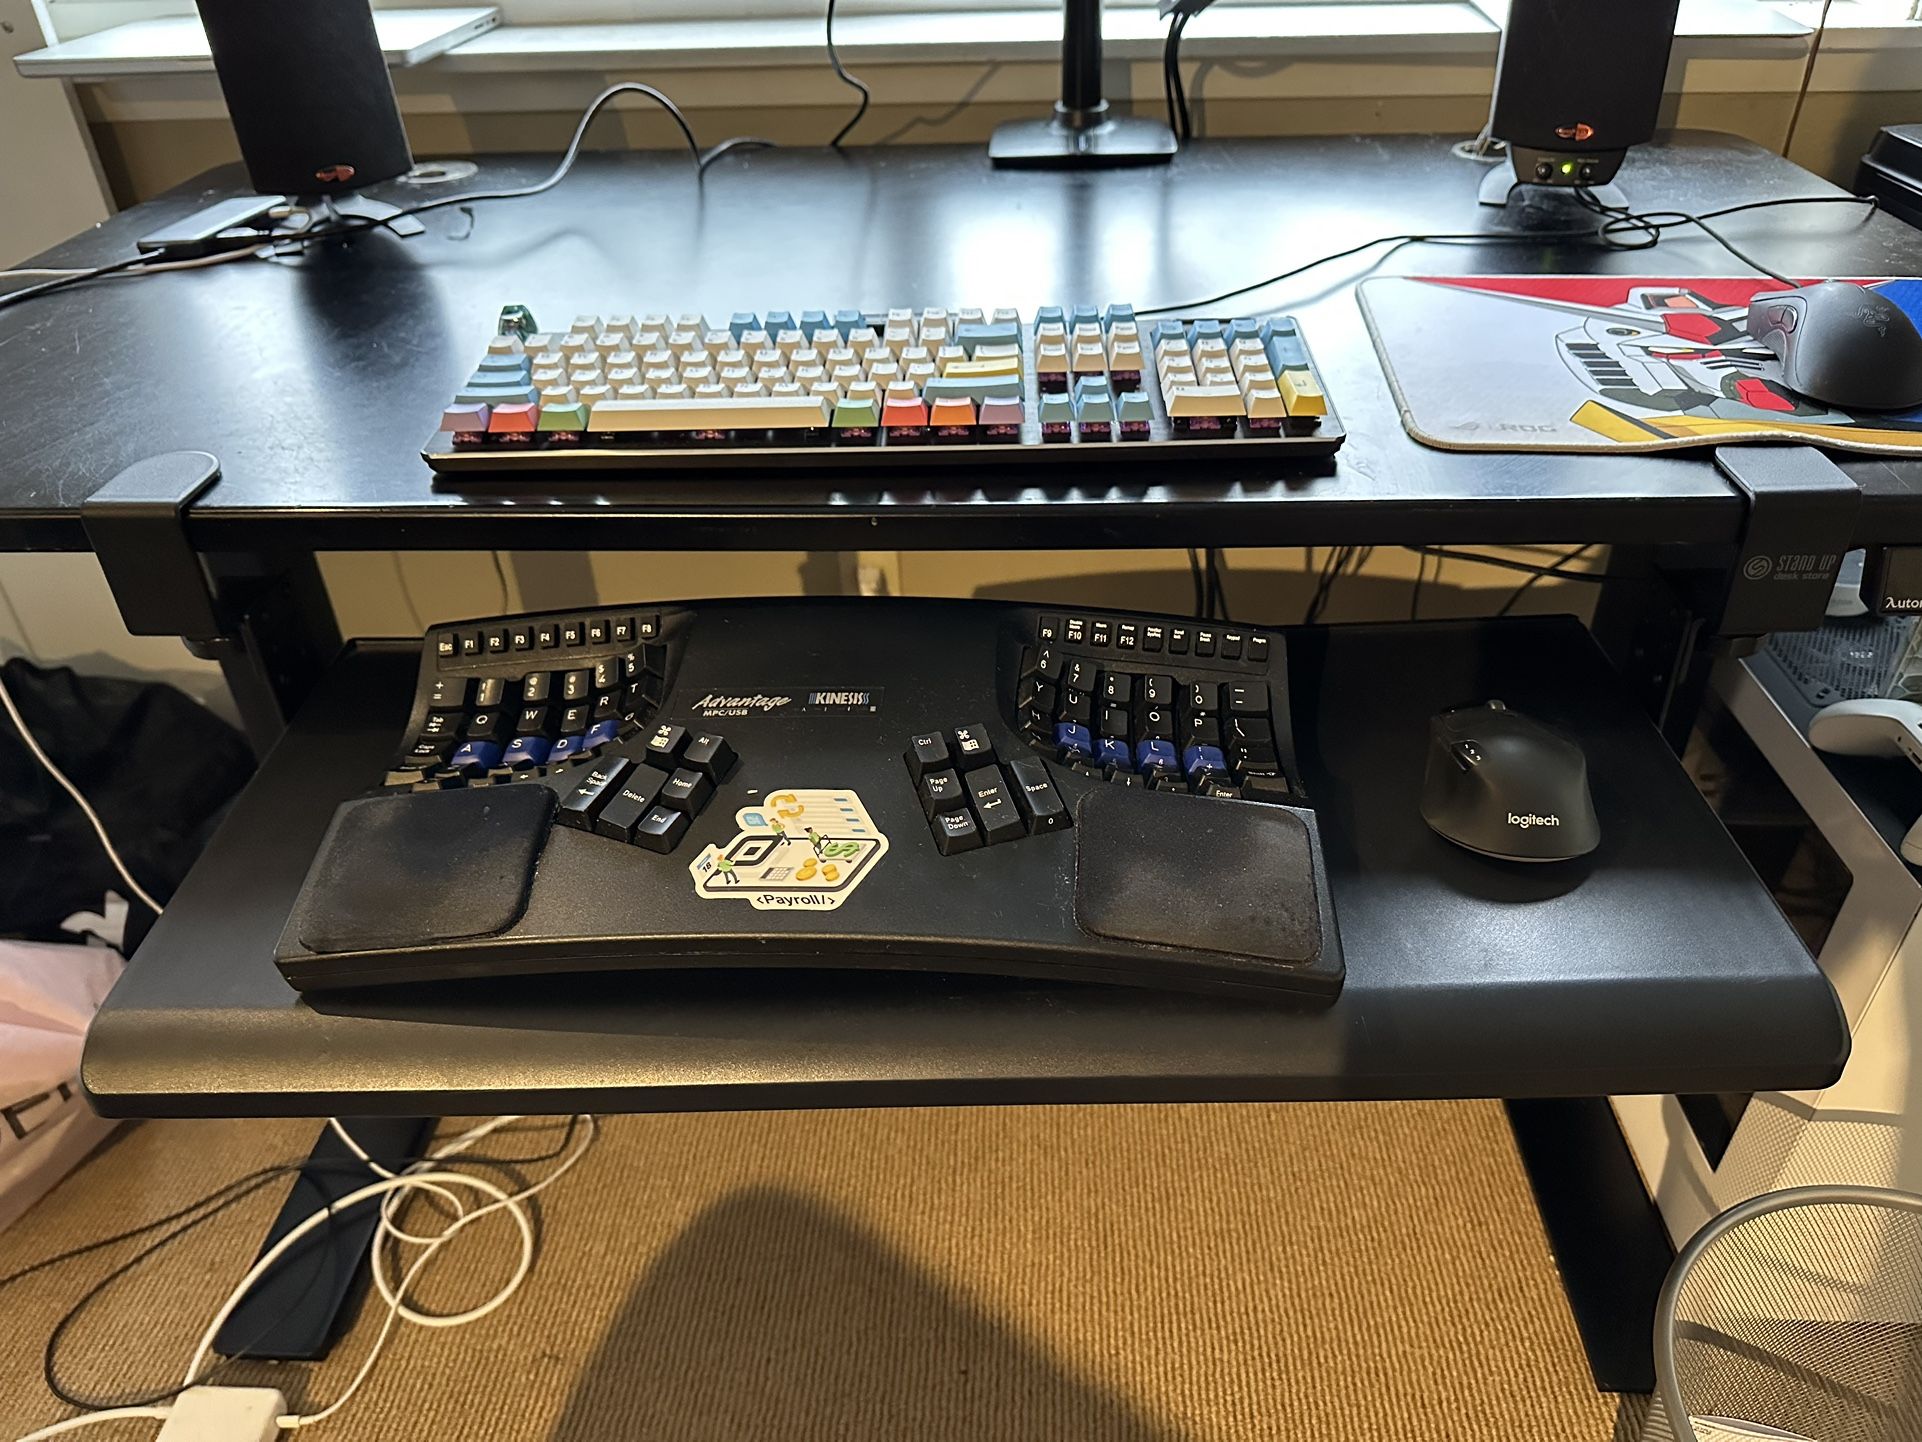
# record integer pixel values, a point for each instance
(1608, 1239)
(1650, 621)
(281, 636)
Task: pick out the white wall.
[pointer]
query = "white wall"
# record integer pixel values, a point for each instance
(50, 182)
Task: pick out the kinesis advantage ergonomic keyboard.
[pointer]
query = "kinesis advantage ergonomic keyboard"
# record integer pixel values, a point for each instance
(932, 785)
(900, 388)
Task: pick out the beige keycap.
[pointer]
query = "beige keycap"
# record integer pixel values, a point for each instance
(1205, 401)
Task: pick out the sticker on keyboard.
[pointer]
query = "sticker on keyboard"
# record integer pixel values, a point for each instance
(795, 850)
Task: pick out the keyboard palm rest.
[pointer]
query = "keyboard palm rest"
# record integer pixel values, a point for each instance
(945, 786)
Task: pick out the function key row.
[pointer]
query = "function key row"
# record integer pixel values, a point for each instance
(545, 633)
(1203, 639)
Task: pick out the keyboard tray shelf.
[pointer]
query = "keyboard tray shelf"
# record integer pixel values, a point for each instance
(1659, 964)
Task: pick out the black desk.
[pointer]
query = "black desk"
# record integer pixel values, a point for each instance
(317, 381)
(1663, 968)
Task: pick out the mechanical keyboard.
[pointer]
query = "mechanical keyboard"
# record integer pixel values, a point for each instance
(822, 389)
(930, 785)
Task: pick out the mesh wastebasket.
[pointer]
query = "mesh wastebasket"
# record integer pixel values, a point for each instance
(1797, 1314)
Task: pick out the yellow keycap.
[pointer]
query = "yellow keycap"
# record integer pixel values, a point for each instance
(1204, 401)
(1302, 395)
(994, 366)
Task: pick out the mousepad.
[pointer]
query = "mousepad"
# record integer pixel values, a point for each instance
(1602, 363)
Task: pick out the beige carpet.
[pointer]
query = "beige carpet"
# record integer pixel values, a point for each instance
(1350, 1273)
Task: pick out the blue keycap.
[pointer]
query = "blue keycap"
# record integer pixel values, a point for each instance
(742, 321)
(496, 395)
(1205, 330)
(564, 748)
(1057, 408)
(475, 756)
(779, 320)
(1093, 402)
(1117, 313)
(526, 752)
(1157, 758)
(972, 388)
(1285, 349)
(1086, 315)
(1072, 740)
(1050, 315)
(603, 733)
(813, 320)
(1135, 406)
(517, 365)
(1201, 762)
(847, 320)
(1168, 330)
(970, 336)
(1246, 328)
(1114, 752)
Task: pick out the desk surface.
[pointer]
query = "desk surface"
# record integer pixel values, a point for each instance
(316, 380)
(1657, 965)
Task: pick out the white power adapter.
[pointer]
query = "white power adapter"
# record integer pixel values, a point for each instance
(225, 1414)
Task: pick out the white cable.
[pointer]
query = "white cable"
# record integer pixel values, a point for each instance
(396, 1310)
(220, 257)
(362, 1194)
(46, 762)
(112, 1414)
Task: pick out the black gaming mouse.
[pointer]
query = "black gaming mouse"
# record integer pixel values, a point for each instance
(1842, 344)
(1508, 787)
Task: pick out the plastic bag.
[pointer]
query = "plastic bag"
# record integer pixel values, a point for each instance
(48, 996)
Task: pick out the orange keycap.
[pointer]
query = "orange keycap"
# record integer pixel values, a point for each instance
(904, 412)
(952, 411)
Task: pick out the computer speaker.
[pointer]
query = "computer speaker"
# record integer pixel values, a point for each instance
(308, 92)
(1577, 83)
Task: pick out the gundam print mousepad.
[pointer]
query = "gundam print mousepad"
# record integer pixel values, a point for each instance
(1602, 363)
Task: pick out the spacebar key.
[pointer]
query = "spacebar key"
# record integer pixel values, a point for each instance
(748, 413)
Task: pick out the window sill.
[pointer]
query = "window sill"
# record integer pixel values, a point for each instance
(1295, 50)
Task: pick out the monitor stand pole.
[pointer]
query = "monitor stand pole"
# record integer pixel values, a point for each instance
(1083, 133)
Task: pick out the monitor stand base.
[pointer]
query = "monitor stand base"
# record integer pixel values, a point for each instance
(1104, 142)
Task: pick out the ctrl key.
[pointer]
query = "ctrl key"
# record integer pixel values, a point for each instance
(583, 804)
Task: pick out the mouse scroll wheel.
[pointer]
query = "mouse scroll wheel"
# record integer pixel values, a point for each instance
(1466, 754)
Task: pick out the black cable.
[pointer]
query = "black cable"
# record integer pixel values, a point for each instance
(560, 172)
(1808, 75)
(739, 142)
(47, 287)
(355, 225)
(1180, 118)
(1554, 569)
(1504, 562)
(214, 1203)
(854, 81)
(1648, 225)
(1421, 571)
(1218, 583)
(1201, 585)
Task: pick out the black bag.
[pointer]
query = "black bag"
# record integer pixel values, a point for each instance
(158, 767)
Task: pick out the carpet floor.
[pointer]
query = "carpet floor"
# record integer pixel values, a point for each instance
(1352, 1273)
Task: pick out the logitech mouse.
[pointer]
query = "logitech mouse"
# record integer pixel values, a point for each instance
(1842, 344)
(1507, 786)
